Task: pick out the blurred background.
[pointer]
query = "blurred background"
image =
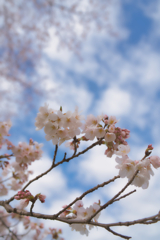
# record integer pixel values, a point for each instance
(104, 57)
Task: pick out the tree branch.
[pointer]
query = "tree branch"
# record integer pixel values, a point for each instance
(117, 234)
(148, 220)
(84, 194)
(117, 199)
(112, 200)
(80, 153)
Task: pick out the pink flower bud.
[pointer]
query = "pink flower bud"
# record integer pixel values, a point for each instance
(150, 147)
(42, 198)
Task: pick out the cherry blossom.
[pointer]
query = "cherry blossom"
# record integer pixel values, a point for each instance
(80, 212)
(123, 150)
(126, 166)
(112, 120)
(155, 161)
(26, 154)
(42, 116)
(110, 137)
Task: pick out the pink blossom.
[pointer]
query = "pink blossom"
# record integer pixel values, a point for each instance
(42, 198)
(109, 153)
(155, 161)
(15, 185)
(3, 189)
(42, 117)
(99, 132)
(112, 120)
(141, 180)
(90, 132)
(23, 203)
(92, 120)
(123, 150)
(26, 153)
(126, 166)
(80, 228)
(110, 137)
(150, 147)
(111, 128)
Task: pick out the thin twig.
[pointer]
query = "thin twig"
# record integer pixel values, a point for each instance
(112, 200)
(3, 156)
(80, 153)
(75, 147)
(117, 234)
(54, 157)
(84, 194)
(117, 199)
(65, 154)
(32, 208)
(41, 175)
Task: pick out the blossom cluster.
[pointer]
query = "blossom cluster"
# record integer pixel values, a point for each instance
(78, 212)
(27, 153)
(38, 227)
(128, 167)
(104, 127)
(55, 233)
(4, 128)
(29, 197)
(17, 175)
(58, 126)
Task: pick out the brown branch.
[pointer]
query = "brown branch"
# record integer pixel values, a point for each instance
(117, 234)
(117, 199)
(65, 154)
(80, 153)
(148, 220)
(84, 194)
(32, 208)
(75, 147)
(112, 200)
(3, 156)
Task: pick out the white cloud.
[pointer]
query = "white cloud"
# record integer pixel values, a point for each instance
(53, 182)
(64, 91)
(115, 102)
(96, 167)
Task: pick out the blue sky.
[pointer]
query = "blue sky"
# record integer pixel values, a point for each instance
(116, 75)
